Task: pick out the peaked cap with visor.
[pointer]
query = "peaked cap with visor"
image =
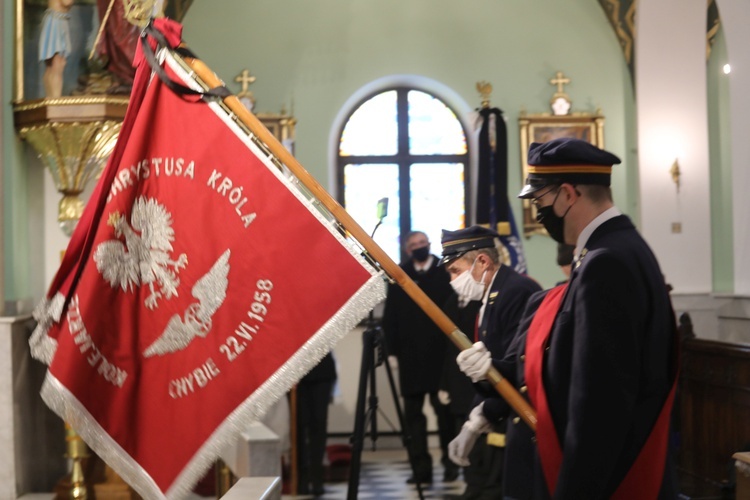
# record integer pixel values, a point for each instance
(567, 160)
(457, 243)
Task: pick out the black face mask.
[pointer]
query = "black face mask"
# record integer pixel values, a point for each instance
(420, 254)
(554, 225)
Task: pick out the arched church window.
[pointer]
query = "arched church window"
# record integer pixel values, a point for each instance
(408, 146)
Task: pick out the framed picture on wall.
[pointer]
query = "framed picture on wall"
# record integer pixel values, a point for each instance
(543, 128)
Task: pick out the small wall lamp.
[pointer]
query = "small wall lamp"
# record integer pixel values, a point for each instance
(675, 171)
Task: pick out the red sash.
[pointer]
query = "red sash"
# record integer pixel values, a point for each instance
(550, 453)
(644, 478)
(646, 474)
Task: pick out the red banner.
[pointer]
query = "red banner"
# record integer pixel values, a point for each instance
(199, 287)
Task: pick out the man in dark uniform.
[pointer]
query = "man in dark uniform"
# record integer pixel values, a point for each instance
(472, 259)
(596, 356)
(314, 393)
(419, 346)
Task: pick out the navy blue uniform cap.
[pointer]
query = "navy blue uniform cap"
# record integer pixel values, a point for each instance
(567, 160)
(458, 242)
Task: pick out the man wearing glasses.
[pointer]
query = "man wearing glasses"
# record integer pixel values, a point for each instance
(595, 356)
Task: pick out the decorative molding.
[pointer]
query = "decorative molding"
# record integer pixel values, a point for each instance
(621, 16)
(73, 136)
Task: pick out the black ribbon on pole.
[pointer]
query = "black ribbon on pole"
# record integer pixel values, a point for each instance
(161, 41)
(492, 179)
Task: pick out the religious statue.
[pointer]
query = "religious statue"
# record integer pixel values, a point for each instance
(116, 44)
(54, 45)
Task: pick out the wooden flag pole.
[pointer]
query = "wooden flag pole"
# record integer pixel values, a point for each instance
(501, 385)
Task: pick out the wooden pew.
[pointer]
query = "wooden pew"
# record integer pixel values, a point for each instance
(712, 418)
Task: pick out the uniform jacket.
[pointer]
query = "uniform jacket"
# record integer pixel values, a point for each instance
(509, 293)
(607, 370)
(411, 335)
(458, 385)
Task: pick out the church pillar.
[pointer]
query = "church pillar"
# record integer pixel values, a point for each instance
(735, 18)
(5, 110)
(670, 77)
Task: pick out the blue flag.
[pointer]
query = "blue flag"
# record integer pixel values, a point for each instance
(493, 204)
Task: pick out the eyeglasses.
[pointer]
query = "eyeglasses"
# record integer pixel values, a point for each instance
(535, 201)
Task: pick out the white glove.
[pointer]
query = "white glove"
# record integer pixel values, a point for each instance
(460, 447)
(476, 422)
(475, 361)
(444, 397)
(393, 362)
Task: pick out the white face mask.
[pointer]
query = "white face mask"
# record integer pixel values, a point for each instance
(467, 288)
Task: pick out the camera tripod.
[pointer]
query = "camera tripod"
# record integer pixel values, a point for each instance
(374, 354)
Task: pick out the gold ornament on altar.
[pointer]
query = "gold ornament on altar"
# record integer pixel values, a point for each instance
(74, 137)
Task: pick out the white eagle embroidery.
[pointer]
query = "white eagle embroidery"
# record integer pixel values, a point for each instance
(145, 258)
(210, 290)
